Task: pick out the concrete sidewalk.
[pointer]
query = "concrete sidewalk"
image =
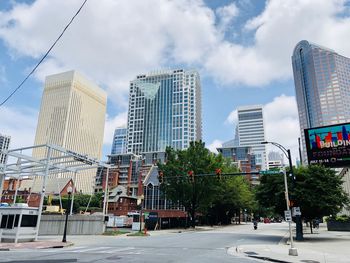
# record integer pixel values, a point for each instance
(34, 245)
(320, 247)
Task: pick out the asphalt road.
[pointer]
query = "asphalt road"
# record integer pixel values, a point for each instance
(164, 246)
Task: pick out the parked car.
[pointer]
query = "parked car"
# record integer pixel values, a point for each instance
(267, 220)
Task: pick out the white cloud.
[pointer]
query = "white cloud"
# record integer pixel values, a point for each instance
(215, 144)
(117, 121)
(276, 31)
(232, 118)
(20, 124)
(282, 123)
(226, 15)
(112, 41)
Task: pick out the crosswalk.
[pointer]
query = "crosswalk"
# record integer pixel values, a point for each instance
(99, 250)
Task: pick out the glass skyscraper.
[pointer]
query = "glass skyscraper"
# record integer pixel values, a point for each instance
(119, 141)
(164, 110)
(251, 131)
(322, 85)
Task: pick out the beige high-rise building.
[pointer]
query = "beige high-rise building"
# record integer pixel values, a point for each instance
(72, 115)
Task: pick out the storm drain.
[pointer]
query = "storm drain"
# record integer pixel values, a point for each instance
(250, 253)
(114, 258)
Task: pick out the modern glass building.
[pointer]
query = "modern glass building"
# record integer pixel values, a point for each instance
(322, 86)
(4, 145)
(119, 141)
(251, 131)
(164, 110)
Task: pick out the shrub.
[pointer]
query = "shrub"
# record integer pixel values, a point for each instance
(341, 218)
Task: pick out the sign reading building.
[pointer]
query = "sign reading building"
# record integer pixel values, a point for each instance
(329, 145)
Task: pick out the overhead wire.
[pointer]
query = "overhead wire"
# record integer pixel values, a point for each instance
(45, 55)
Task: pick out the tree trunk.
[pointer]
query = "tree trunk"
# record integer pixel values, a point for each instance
(311, 227)
(193, 219)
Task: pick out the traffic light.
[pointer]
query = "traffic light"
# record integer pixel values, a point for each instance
(160, 177)
(191, 176)
(218, 173)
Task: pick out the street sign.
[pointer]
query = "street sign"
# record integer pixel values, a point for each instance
(269, 172)
(287, 215)
(146, 215)
(296, 211)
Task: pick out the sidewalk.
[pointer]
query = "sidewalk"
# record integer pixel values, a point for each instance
(320, 247)
(34, 245)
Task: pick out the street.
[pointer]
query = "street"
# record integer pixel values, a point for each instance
(162, 246)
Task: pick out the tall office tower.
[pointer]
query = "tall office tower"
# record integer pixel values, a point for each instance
(322, 85)
(251, 131)
(72, 115)
(119, 141)
(164, 110)
(4, 145)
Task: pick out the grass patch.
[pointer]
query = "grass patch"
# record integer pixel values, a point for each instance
(115, 233)
(137, 234)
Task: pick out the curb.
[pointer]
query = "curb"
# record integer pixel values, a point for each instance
(239, 252)
(59, 246)
(42, 247)
(284, 239)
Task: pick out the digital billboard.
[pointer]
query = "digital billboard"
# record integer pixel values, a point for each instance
(329, 145)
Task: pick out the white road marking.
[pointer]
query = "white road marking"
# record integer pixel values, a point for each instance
(94, 249)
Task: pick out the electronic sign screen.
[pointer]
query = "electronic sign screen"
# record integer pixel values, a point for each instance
(329, 145)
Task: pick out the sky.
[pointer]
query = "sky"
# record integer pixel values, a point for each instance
(242, 50)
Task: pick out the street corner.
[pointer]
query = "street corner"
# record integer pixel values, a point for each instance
(34, 245)
(237, 251)
(260, 253)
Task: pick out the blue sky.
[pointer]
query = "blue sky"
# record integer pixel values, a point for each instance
(241, 48)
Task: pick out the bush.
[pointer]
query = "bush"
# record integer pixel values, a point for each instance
(341, 218)
(90, 209)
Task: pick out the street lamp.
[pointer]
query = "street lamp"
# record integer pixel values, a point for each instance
(292, 251)
(69, 190)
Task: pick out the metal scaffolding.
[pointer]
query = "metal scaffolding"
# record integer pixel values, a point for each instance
(57, 160)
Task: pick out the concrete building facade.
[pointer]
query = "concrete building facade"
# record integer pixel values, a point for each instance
(72, 115)
(251, 132)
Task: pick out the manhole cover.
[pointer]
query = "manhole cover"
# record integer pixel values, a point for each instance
(114, 258)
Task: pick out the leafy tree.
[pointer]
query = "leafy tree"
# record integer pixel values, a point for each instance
(270, 193)
(316, 190)
(80, 200)
(217, 199)
(319, 192)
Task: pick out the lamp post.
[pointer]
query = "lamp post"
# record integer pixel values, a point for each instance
(292, 251)
(69, 190)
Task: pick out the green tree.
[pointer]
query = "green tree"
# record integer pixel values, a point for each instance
(80, 200)
(317, 191)
(270, 193)
(207, 194)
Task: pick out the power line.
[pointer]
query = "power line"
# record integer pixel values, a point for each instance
(42, 59)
